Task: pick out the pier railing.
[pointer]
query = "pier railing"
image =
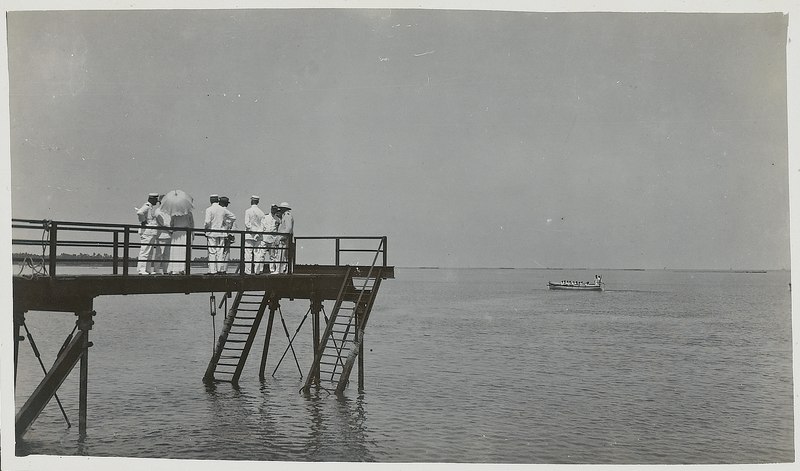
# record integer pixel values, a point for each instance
(43, 245)
(352, 246)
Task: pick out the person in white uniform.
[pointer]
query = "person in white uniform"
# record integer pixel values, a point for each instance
(148, 235)
(253, 224)
(217, 218)
(228, 223)
(162, 249)
(177, 251)
(286, 227)
(213, 220)
(270, 243)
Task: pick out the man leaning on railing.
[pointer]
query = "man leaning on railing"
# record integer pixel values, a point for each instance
(148, 235)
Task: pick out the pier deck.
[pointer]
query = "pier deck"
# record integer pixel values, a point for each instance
(72, 293)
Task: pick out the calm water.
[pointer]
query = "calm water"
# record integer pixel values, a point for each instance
(461, 366)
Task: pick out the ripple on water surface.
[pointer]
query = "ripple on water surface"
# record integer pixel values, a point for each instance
(461, 366)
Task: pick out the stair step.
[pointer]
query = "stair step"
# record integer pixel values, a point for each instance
(334, 364)
(245, 318)
(236, 341)
(337, 356)
(227, 364)
(230, 357)
(246, 310)
(233, 349)
(341, 353)
(241, 325)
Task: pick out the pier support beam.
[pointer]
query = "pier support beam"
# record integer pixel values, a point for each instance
(361, 310)
(76, 350)
(85, 323)
(316, 308)
(19, 319)
(273, 307)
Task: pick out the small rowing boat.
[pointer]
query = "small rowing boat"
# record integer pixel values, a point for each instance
(596, 285)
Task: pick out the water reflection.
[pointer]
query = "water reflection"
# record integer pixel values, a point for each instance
(83, 445)
(338, 427)
(354, 417)
(284, 424)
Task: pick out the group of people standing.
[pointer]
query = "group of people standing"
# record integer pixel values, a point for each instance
(163, 236)
(264, 252)
(162, 250)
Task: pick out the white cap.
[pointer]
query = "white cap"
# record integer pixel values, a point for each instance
(284, 205)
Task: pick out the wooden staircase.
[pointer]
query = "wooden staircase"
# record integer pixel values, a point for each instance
(238, 332)
(341, 342)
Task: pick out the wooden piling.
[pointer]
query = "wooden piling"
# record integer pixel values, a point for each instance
(84, 325)
(360, 309)
(316, 307)
(19, 318)
(273, 306)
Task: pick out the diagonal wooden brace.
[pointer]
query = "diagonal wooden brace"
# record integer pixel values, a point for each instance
(50, 384)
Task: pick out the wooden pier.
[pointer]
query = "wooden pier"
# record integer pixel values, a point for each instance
(352, 288)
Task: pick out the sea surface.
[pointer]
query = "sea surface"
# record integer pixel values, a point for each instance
(461, 365)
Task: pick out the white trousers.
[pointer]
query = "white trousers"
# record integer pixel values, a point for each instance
(147, 254)
(253, 256)
(161, 256)
(283, 254)
(215, 257)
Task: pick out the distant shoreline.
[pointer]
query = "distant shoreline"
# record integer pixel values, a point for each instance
(675, 270)
(201, 262)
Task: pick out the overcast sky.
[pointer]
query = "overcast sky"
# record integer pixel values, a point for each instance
(469, 138)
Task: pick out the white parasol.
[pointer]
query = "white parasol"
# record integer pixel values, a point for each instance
(177, 203)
